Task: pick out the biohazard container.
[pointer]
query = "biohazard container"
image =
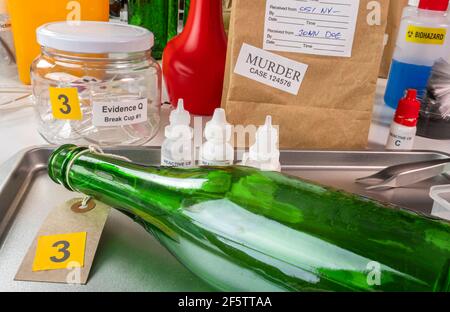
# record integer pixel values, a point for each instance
(423, 39)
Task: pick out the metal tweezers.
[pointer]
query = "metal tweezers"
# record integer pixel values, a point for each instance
(406, 174)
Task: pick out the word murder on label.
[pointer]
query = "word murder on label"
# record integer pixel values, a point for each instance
(270, 69)
(270, 66)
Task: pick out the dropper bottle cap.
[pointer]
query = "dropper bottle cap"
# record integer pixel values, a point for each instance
(434, 5)
(408, 109)
(178, 117)
(266, 145)
(218, 129)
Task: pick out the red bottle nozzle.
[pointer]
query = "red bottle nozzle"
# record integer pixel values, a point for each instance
(411, 94)
(434, 5)
(408, 109)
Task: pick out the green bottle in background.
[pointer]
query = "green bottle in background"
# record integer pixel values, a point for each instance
(165, 18)
(187, 5)
(241, 229)
(159, 16)
(178, 12)
(172, 17)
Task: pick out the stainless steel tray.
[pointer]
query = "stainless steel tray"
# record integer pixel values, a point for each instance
(128, 258)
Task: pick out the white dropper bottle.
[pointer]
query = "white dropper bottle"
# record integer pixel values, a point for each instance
(177, 148)
(217, 150)
(264, 154)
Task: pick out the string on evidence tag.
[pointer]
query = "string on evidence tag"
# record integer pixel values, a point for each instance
(94, 149)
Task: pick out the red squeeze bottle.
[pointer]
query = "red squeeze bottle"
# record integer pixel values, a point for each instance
(194, 61)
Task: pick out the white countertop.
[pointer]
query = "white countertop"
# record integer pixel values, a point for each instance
(18, 126)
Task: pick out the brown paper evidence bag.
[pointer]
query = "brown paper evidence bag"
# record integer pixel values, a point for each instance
(333, 108)
(393, 24)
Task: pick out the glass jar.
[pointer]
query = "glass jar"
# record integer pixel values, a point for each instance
(96, 82)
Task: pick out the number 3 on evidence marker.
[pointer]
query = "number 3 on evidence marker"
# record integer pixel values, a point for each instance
(65, 103)
(56, 252)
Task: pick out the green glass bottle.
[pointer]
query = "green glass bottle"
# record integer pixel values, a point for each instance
(186, 6)
(160, 17)
(240, 229)
(172, 18)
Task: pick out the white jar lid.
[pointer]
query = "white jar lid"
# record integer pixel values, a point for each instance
(94, 37)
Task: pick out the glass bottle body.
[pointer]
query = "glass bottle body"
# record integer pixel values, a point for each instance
(244, 230)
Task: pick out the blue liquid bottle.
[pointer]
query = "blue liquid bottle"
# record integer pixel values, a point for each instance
(424, 37)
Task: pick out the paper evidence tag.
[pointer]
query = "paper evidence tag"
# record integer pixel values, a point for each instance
(270, 69)
(311, 26)
(123, 113)
(426, 35)
(64, 248)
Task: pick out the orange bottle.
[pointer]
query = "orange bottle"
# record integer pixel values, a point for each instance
(28, 15)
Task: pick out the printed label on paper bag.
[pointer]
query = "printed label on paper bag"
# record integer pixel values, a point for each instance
(425, 35)
(270, 69)
(63, 250)
(124, 113)
(311, 26)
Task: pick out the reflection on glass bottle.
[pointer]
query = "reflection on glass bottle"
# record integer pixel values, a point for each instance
(241, 229)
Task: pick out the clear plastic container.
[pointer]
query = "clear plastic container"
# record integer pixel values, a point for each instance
(96, 82)
(441, 196)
